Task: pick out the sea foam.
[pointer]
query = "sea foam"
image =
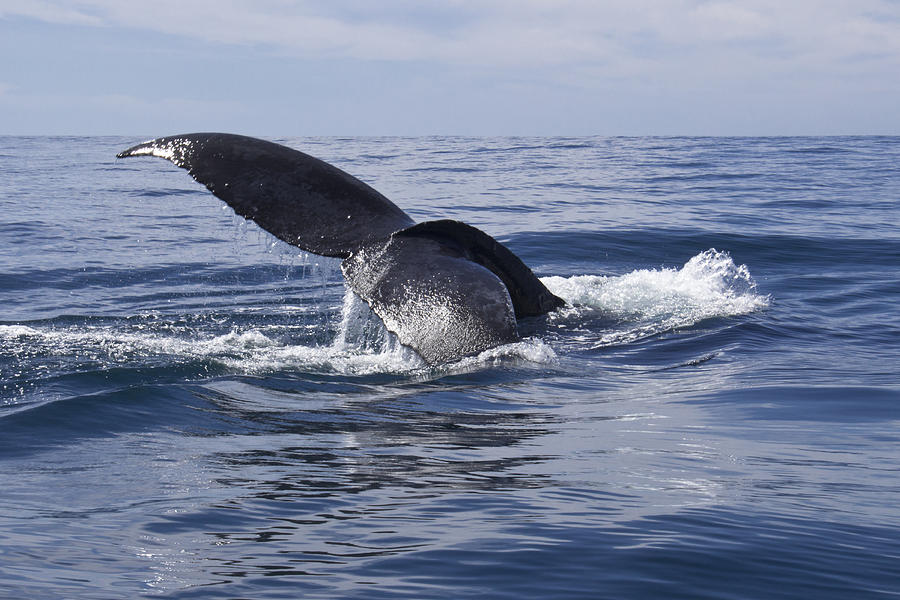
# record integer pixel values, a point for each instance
(709, 285)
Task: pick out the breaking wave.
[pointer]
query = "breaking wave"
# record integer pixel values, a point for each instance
(646, 302)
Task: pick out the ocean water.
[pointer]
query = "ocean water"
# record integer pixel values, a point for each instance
(192, 409)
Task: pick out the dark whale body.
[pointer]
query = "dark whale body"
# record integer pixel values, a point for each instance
(446, 289)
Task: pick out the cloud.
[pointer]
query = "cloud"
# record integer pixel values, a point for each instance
(658, 66)
(509, 32)
(49, 11)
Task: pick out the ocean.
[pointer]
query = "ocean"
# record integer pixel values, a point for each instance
(190, 408)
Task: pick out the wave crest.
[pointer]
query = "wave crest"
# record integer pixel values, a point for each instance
(709, 285)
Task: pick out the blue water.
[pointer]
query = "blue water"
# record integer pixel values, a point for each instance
(191, 409)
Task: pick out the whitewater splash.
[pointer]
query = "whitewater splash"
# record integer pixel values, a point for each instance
(636, 305)
(361, 346)
(254, 351)
(647, 302)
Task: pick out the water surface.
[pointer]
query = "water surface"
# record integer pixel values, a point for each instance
(192, 409)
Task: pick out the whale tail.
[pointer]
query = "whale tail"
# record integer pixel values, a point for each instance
(296, 197)
(445, 288)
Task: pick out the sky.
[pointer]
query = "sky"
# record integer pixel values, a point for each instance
(450, 67)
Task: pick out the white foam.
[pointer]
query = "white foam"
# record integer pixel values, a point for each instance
(251, 351)
(649, 301)
(531, 350)
(362, 345)
(636, 305)
(16, 331)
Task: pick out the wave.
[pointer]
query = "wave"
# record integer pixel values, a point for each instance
(360, 345)
(255, 350)
(602, 311)
(647, 302)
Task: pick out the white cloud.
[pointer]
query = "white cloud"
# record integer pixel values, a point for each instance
(50, 11)
(730, 21)
(663, 66)
(509, 32)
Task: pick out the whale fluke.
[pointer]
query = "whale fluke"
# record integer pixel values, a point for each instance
(296, 197)
(529, 296)
(446, 289)
(437, 302)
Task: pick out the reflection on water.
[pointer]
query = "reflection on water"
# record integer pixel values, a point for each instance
(372, 473)
(322, 485)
